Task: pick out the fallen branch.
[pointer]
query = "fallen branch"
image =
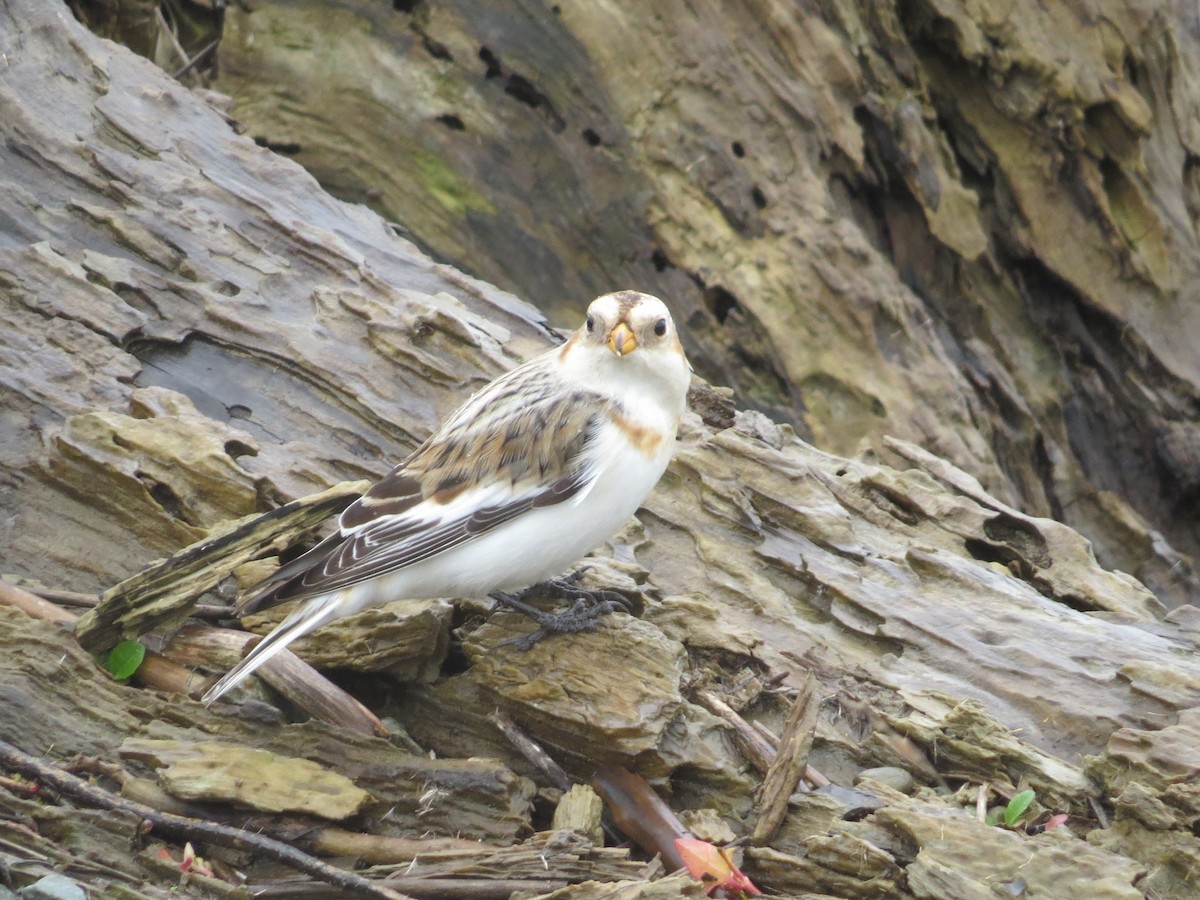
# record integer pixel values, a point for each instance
(641, 814)
(87, 601)
(421, 888)
(320, 838)
(753, 745)
(165, 593)
(33, 605)
(756, 741)
(200, 57)
(532, 751)
(297, 681)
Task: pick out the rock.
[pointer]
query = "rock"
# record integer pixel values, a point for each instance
(479, 799)
(852, 856)
(53, 887)
(962, 857)
(895, 778)
(798, 875)
(809, 814)
(1155, 758)
(1170, 856)
(856, 802)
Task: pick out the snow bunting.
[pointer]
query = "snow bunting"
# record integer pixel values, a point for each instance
(531, 473)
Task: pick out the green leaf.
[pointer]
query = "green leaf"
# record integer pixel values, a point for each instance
(1017, 807)
(124, 659)
(993, 816)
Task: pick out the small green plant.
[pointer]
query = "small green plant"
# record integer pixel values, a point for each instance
(123, 660)
(1011, 815)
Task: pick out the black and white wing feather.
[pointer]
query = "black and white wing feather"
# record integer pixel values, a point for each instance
(519, 444)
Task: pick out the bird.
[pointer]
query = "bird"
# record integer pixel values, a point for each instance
(532, 472)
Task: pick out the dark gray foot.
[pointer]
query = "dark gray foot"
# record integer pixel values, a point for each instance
(587, 607)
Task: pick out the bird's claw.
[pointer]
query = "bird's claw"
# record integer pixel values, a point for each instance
(587, 607)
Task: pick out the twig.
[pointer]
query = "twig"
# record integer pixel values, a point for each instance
(298, 682)
(981, 799)
(18, 787)
(478, 888)
(784, 775)
(768, 735)
(532, 751)
(87, 601)
(170, 32)
(155, 671)
(160, 673)
(64, 598)
(380, 849)
(33, 605)
(756, 740)
(753, 745)
(815, 778)
(188, 828)
(195, 60)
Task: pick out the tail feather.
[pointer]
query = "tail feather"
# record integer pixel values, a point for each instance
(281, 585)
(307, 617)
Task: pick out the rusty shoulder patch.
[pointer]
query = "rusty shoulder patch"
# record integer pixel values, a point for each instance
(646, 440)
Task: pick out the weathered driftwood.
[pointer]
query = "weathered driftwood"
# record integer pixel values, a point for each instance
(782, 777)
(162, 596)
(548, 856)
(148, 819)
(310, 835)
(194, 332)
(579, 809)
(289, 676)
(221, 772)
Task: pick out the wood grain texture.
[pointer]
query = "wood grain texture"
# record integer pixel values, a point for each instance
(192, 331)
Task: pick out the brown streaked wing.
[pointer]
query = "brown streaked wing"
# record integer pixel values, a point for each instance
(392, 495)
(384, 547)
(389, 528)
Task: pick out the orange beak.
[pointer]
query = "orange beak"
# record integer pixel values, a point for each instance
(621, 340)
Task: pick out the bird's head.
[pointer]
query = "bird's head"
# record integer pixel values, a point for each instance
(627, 321)
(631, 334)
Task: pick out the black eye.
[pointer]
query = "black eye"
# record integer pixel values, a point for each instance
(591, 322)
(660, 327)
